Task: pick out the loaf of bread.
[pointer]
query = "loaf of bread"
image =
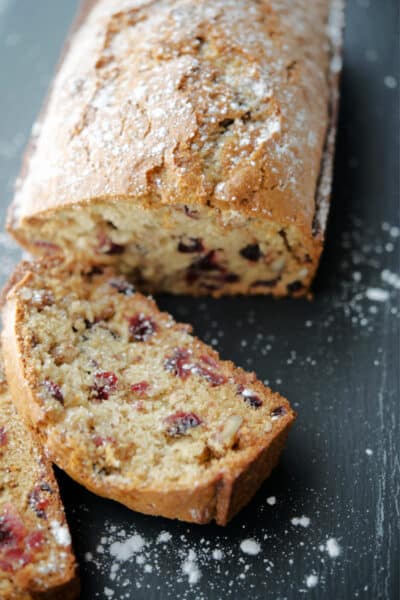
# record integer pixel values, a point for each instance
(36, 559)
(189, 143)
(131, 405)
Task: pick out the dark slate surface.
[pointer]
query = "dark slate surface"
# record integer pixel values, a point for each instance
(336, 358)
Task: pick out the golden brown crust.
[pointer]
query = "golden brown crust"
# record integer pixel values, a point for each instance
(218, 497)
(274, 176)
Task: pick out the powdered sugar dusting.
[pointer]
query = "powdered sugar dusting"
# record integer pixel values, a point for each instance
(250, 546)
(191, 568)
(302, 521)
(333, 548)
(311, 580)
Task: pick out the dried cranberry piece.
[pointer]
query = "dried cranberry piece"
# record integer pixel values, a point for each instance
(249, 397)
(209, 361)
(294, 286)
(278, 412)
(190, 245)
(105, 382)
(12, 529)
(122, 287)
(107, 246)
(39, 499)
(180, 422)
(206, 263)
(34, 540)
(228, 277)
(3, 436)
(141, 328)
(213, 378)
(140, 388)
(53, 390)
(225, 123)
(251, 252)
(191, 212)
(99, 440)
(179, 363)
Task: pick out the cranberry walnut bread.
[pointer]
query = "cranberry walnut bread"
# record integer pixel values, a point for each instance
(131, 405)
(36, 559)
(189, 143)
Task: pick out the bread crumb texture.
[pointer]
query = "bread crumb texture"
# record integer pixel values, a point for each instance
(35, 544)
(126, 398)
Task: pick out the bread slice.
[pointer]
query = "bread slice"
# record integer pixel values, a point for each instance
(190, 144)
(36, 559)
(128, 403)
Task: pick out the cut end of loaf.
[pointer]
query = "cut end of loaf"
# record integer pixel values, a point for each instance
(180, 249)
(130, 404)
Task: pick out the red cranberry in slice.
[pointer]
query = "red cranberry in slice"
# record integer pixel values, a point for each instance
(209, 361)
(215, 379)
(141, 328)
(249, 397)
(52, 390)
(3, 436)
(278, 412)
(105, 382)
(141, 388)
(189, 245)
(179, 363)
(179, 423)
(122, 287)
(39, 499)
(99, 440)
(191, 212)
(205, 264)
(33, 541)
(12, 529)
(251, 252)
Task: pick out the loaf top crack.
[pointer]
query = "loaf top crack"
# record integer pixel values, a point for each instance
(222, 103)
(129, 403)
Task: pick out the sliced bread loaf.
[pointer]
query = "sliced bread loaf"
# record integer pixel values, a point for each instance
(131, 405)
(36, 559)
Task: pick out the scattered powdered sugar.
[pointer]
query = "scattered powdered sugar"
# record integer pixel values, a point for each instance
(333, 548)
(271, 500)
(191, 568)
(60, 533)
(377, 294)
(126, 549)
(391, 278)
(369, 452)
(217, 554)
(302, 521)
(250, 546)
(390, 82)
(164, 537)
(311, 580)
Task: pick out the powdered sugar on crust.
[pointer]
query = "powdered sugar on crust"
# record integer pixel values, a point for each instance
(197, 100)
